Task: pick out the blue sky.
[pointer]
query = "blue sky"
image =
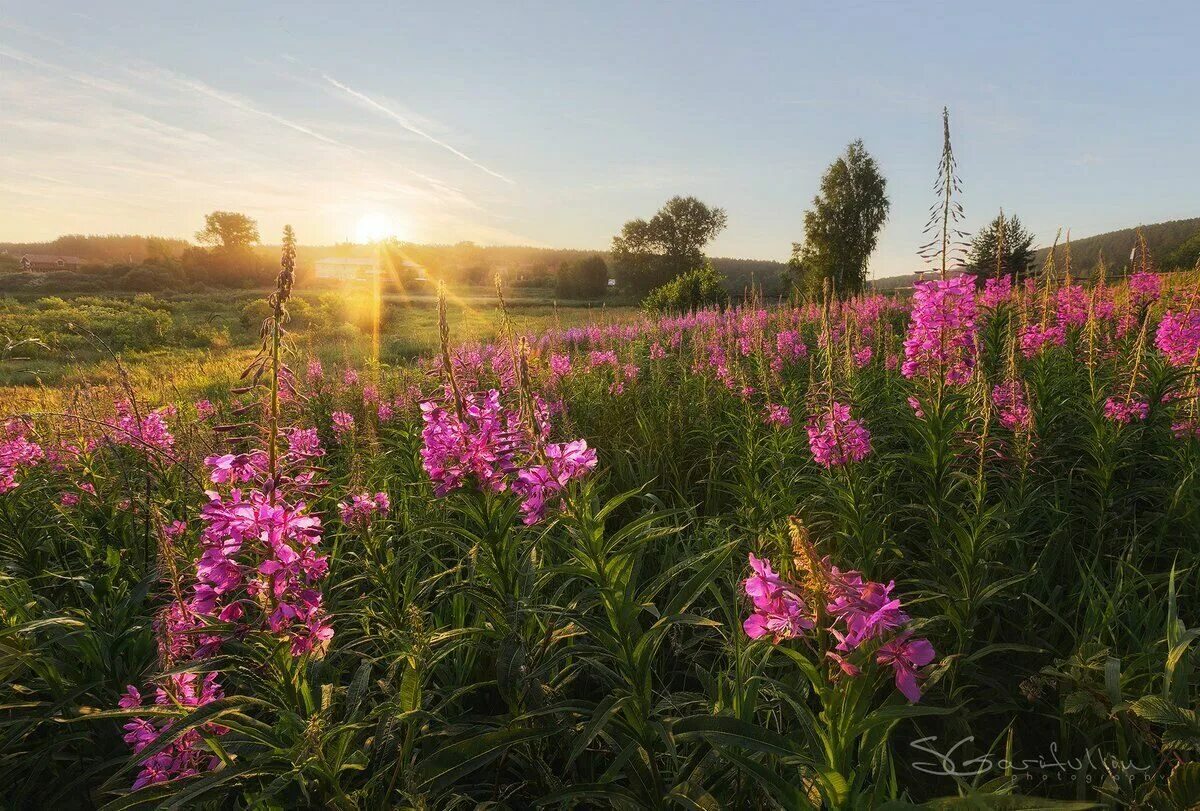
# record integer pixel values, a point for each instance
(553, 123)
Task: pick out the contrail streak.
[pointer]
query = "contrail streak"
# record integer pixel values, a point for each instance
(408, 125)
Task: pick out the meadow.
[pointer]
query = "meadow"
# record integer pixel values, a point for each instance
(928, 551)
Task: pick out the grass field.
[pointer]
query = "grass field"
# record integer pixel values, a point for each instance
(185, 347)
(885, 553)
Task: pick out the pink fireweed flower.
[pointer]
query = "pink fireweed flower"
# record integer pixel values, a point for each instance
(996, 291)
(560, 365)
(1144, 287)
(314, 372)
(1034, 338)
(941, 333)
(858, 611)
(205, 410)
(1186, 429)
(68, 499)
(237, 467)
(790, 345)
(150, 432)
(777, 416)
(539, 485)
(915, 405)
(906, 655)
(304, 443)
(1009, 399)
(779, 612)
(1073, 305)
(764, 582)
(482, 445)
(866, 610)
(1125, 411)
(342, 423)
(186, 755)
(362, 507)
(780, 617)
(350, 377)
(836, 439)
(1178, 337)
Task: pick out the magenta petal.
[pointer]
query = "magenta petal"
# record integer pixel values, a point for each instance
(755, 626)
(920, 652)
(906, 682)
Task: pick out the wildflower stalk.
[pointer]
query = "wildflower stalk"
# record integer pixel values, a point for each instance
(447, 364)
(279, 315)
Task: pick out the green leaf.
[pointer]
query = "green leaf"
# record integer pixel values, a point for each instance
(453, 762)
(1184, 785)
(728, 731)
(410, 690)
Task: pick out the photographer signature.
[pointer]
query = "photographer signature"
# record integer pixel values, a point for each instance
(946, 765)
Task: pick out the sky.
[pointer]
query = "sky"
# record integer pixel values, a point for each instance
(553, 123)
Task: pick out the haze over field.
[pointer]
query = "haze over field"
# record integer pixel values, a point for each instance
(553, 124)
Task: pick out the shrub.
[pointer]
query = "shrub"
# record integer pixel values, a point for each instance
(695, 290)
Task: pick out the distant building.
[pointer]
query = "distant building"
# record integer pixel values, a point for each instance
(346, 269)
(361, 269)
(46, 261)
(931, 274)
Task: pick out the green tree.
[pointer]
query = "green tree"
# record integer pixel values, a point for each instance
(583, 278)
(842, 228)
(803, 274)
(650, 253)
(229, 230)
(1186, 255)
(1003, 239)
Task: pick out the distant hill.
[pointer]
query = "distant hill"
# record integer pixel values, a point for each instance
(1161, 238)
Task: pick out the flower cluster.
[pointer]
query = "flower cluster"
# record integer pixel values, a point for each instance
(836, 438)
(17, 453)
(1036, 337)
(146, 432)
(1145, 287)
(1178, 337)
(483, 441)
(185, 756)
(854, 611)
(1123, 410)
(342, 423)
(941, 334)
(996, 291)
(1073, 306)
(1009, 399)
(777, 416)
(539, 483)
(361, 509)
(258, 569)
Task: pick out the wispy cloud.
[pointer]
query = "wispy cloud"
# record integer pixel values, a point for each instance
(410, 126)
(241, 104)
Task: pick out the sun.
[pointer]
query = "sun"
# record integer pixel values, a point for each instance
(374, 227)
